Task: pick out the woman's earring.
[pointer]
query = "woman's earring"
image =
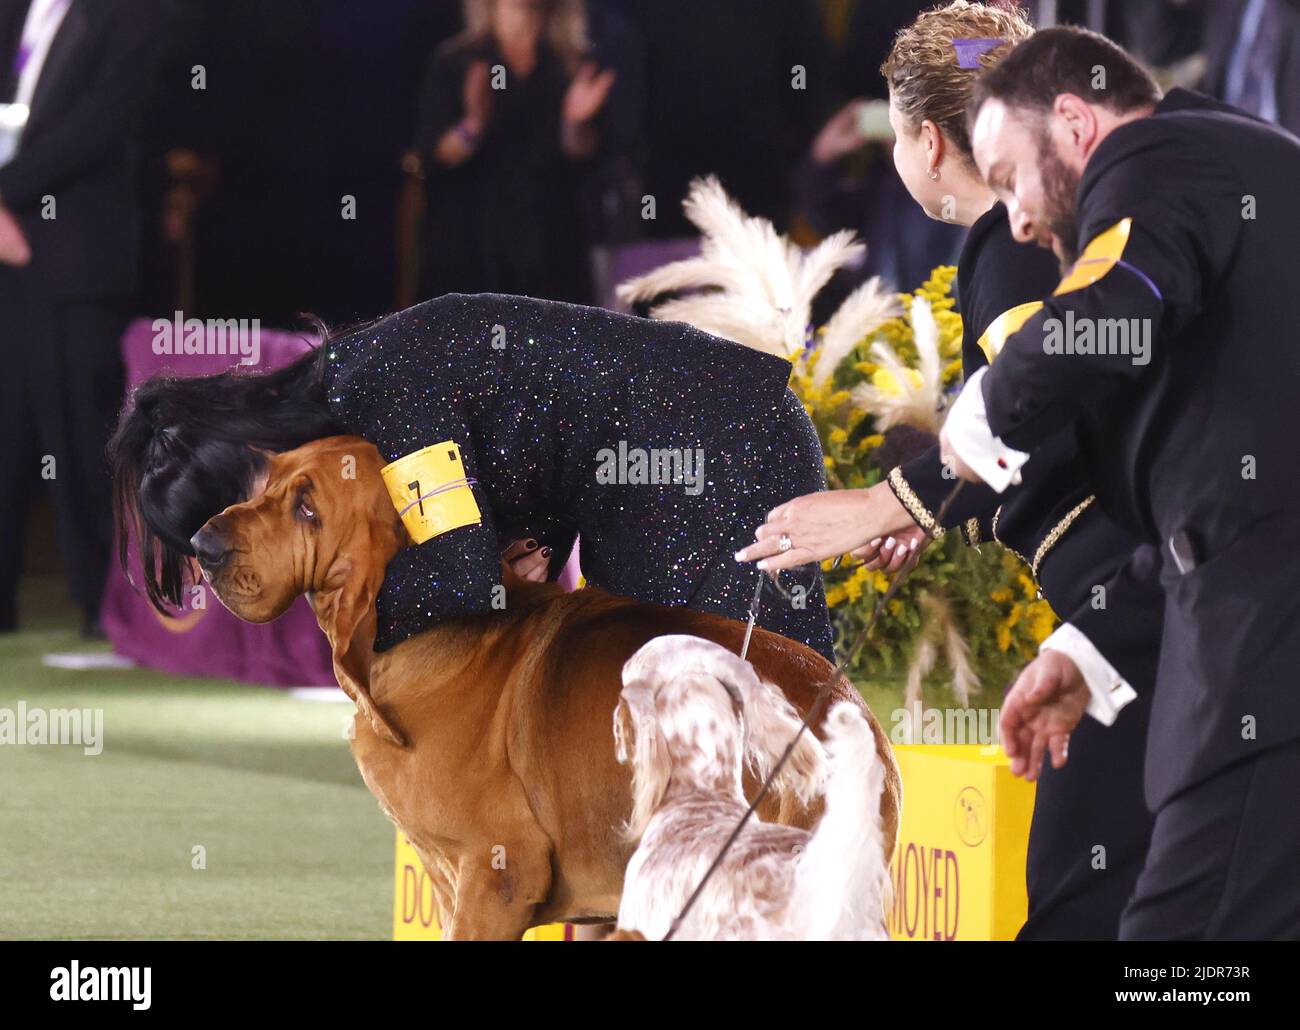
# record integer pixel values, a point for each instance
(934, 174)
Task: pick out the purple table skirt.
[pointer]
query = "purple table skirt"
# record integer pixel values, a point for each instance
(291, 651)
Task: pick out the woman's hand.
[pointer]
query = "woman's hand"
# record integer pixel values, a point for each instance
(840, 135)
(477, 96)
(890, 553)
(14, 249)
(527, 560)
(826, 525)
(461, 142)
(587, 93)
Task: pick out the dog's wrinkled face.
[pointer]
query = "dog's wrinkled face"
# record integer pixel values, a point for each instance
(323, 510)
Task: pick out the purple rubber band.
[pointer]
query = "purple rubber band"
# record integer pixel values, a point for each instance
(455, 484)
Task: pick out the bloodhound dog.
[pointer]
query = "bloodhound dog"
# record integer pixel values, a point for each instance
(487, 739)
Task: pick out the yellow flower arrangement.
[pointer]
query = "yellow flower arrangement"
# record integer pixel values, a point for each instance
(987, 591)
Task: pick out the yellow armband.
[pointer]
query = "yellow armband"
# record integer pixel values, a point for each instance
(430, 491)
(1098, 258)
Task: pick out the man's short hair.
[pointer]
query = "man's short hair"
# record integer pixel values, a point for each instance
(1066, 60)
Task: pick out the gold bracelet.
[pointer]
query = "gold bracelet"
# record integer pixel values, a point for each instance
(919, 512)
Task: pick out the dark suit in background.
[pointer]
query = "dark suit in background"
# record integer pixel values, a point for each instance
(1231, 36)
(61, 316)
(720, 100)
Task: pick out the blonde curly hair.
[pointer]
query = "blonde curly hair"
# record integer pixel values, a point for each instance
(926, 82)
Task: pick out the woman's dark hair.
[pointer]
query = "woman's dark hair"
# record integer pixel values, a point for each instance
(184, 451)
(1066, 59)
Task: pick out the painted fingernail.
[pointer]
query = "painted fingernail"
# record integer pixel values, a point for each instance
(875, 542)
(763, 564)
(912, 547)
(546, 552)
(530, 544)
(740, 555)
(889, 544)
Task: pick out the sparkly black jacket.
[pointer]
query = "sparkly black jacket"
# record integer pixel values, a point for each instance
(533, 391)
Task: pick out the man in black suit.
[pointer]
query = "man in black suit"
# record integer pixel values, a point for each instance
(74, 74)
(1167, 345)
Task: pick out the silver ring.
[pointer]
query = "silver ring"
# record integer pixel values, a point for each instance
(785, 543)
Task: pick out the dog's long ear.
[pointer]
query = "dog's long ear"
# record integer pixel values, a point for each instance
(637, 742)
(771, 722)
(346, 612)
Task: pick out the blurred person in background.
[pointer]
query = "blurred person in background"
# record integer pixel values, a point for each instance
(271, 118)
(509, 118)
(73, 75)
(1251, 49)
(735, 89)
(847, 179)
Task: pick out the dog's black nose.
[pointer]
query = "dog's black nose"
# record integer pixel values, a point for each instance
(210, 545)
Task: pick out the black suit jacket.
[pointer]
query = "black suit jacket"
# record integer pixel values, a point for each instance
(78, 146)
(1050, 521)
(1198, 444)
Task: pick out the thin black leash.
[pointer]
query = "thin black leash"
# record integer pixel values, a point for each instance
(814, 710)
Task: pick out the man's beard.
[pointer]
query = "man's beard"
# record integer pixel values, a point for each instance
(1060, 194)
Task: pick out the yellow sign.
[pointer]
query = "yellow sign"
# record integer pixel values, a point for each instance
(958, 871)
(415, 910)
(959, 868)
(429, 489)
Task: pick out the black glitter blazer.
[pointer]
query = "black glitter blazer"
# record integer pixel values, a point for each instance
(548, 401)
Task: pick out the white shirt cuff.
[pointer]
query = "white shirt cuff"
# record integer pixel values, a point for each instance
(970, 438)
(1110, 691)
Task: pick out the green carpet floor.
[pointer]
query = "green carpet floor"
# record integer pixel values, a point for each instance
(103, 846)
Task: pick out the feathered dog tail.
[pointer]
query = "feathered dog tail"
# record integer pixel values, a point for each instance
(842, 880)
(770, 721)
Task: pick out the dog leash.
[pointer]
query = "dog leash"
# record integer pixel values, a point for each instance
(814, 710)
(753, 614)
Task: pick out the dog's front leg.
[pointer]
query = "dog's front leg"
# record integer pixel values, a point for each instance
(498, 891)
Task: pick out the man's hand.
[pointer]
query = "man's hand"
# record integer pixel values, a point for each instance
(14, 249)
(826, 525)
(1040, 712)
(949, 457)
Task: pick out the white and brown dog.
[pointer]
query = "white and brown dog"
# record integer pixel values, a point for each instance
(690, 714)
